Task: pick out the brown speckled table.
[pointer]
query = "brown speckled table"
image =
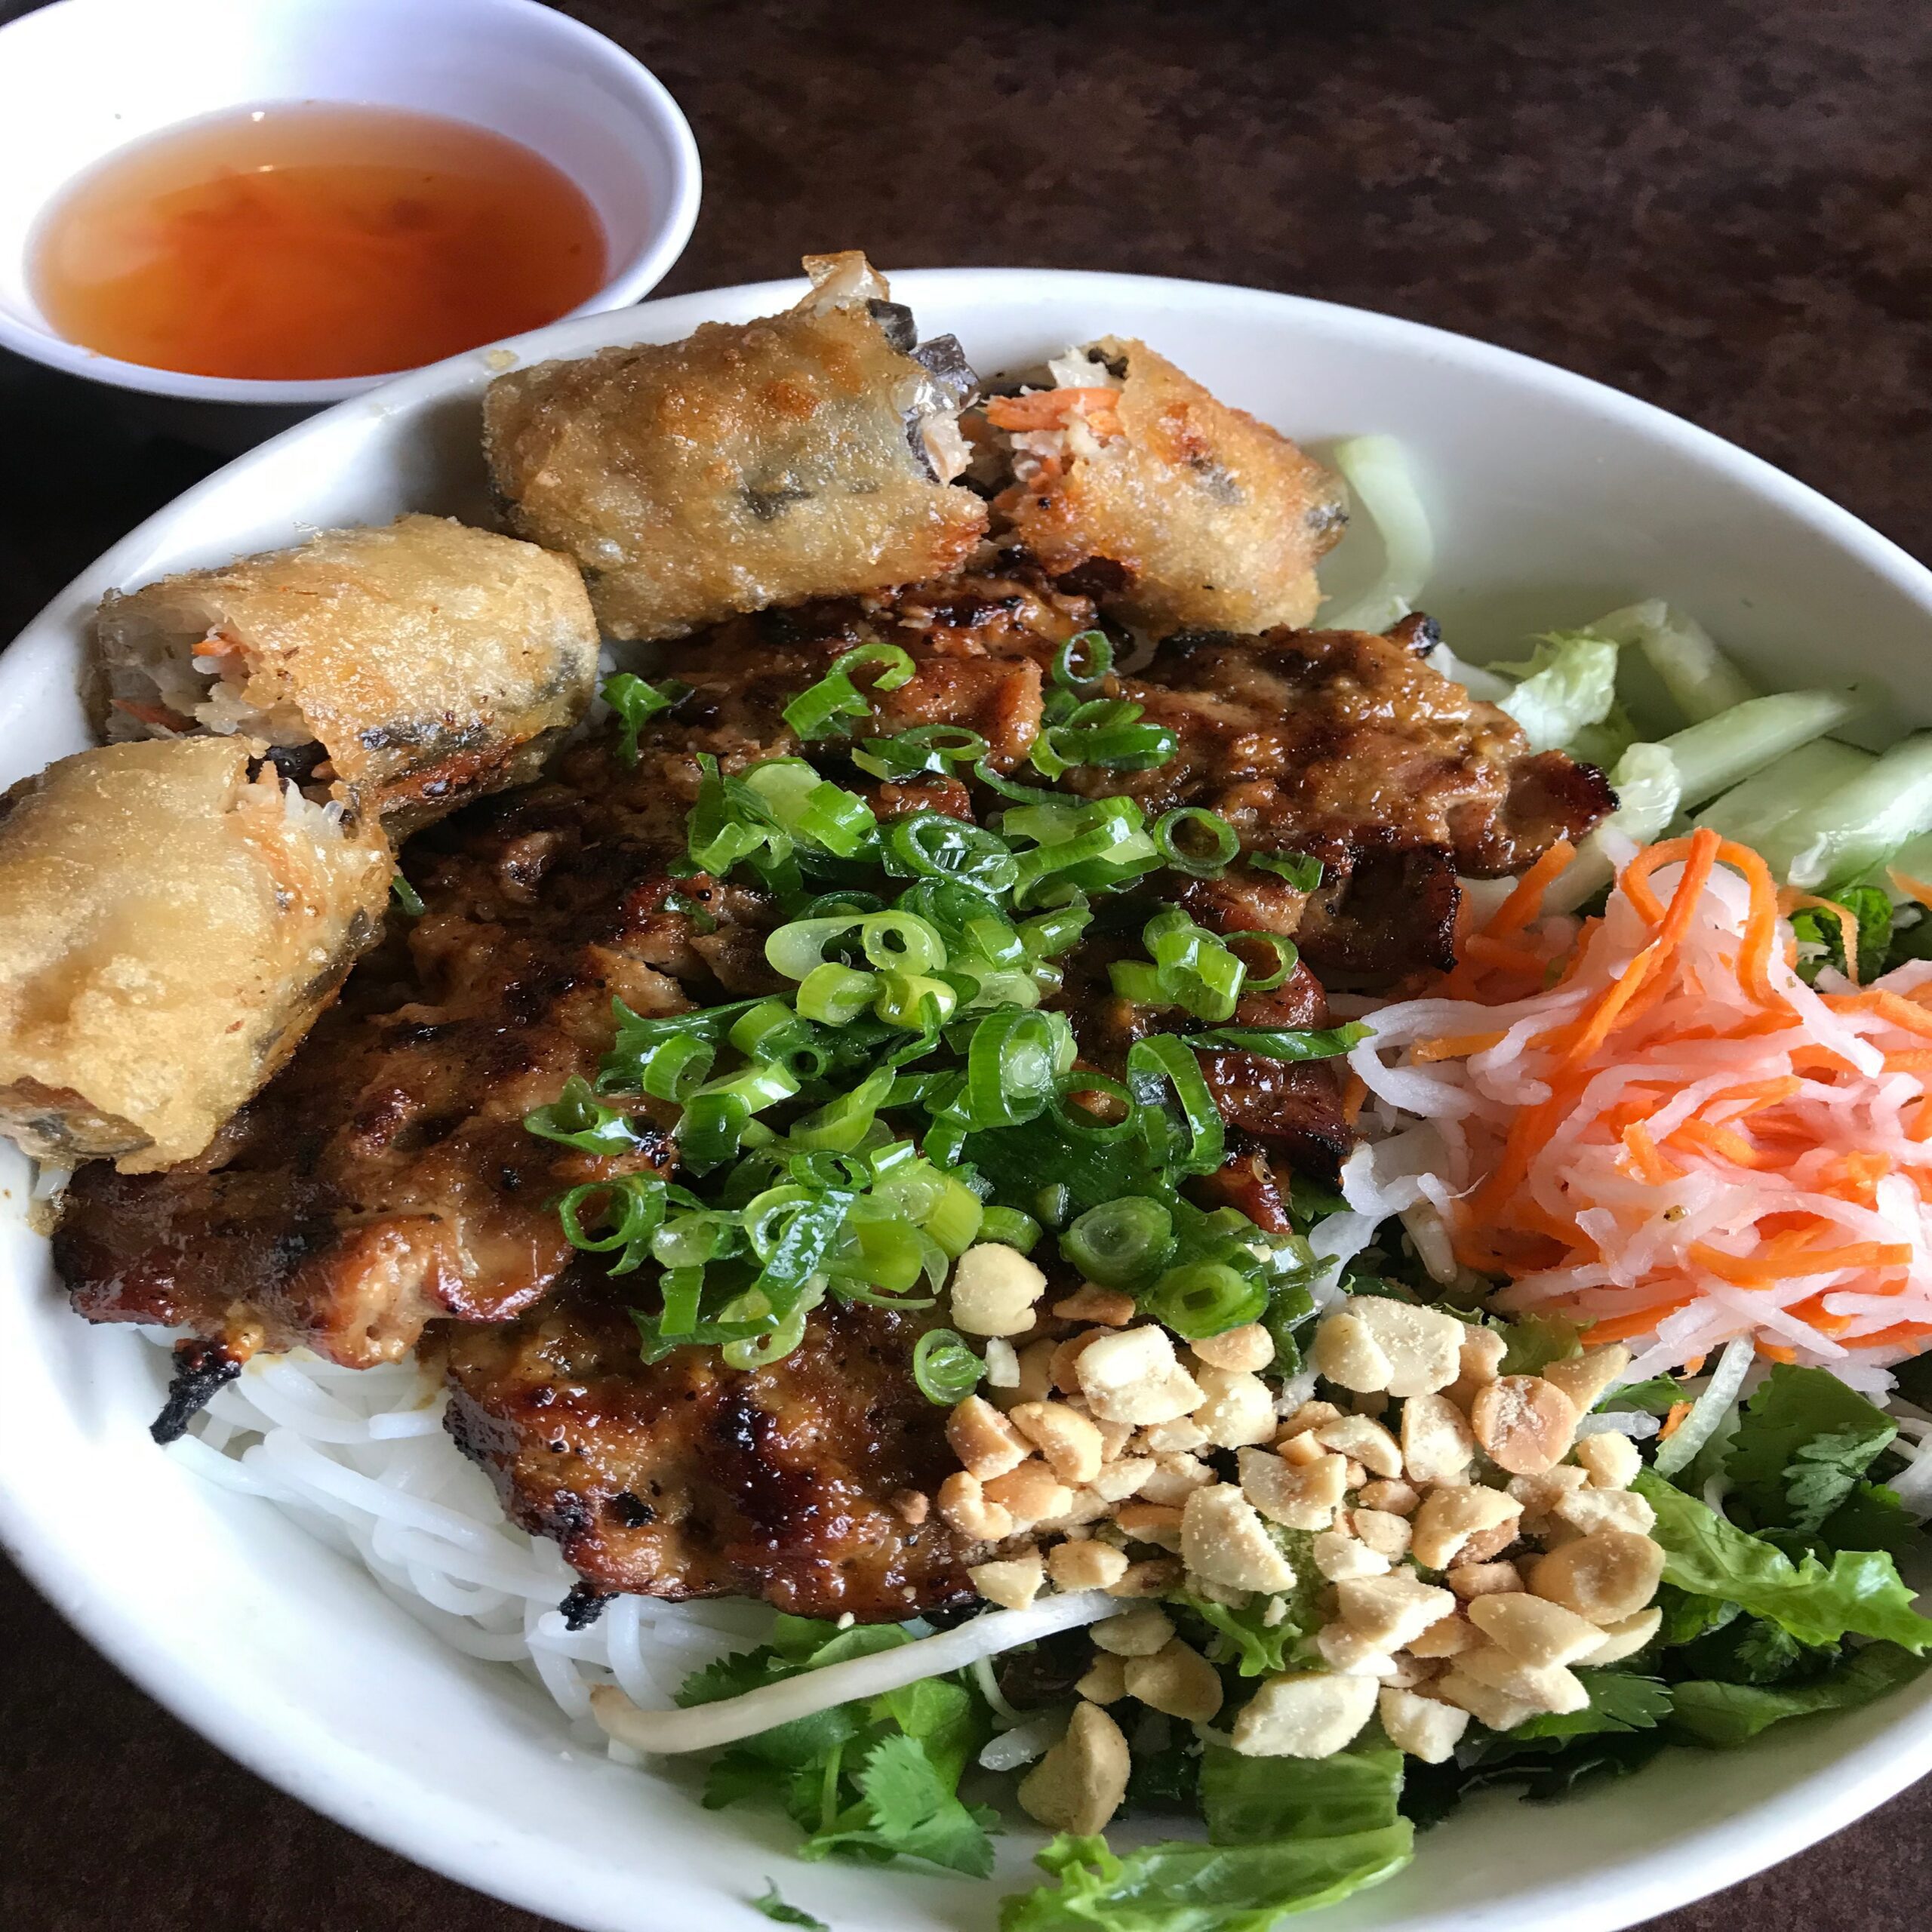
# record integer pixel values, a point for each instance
(1724, 207)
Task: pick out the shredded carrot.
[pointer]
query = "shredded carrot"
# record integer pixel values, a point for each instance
(1650, 1164)
(1674, 1421)
(1913, 888)
(1049, 409)
(1797, 1117)
(1456, 1047)
(1526, 901)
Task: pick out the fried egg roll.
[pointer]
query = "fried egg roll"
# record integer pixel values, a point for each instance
(1199, 516)
(807, 454)
(398, 671)
(170, 926)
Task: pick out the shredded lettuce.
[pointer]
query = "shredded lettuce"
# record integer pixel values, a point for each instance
(1860, 1593)
(1252, 1801)
(1648, 789)
(1568, 685)
(1376, 469)
(1752, 812)
(1702, 682)
(1179, 1887)
(1532, 1342)
(1725, 1715)
(1719, 752)
(1860, 824)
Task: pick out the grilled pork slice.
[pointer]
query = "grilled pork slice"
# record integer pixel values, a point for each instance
(687, 1478)
(385, 1178)
(1349, 747)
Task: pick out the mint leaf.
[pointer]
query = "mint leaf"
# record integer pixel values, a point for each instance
(1727, 1715)
(774, 1907)
(1178, 1887)
(1619, 1701)
(1860, 1593)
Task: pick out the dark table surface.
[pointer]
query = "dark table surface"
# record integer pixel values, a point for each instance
(1724, 208)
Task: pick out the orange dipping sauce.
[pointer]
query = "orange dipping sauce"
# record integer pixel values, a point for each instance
(296, 242)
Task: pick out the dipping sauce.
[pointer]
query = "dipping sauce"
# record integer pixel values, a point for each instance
(295, 242)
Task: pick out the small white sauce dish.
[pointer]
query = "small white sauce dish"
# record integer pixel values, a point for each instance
(82, 77)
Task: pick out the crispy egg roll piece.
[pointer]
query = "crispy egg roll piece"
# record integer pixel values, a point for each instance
(807, 454)
(1210, 520)
(405, 668)
(170, 926)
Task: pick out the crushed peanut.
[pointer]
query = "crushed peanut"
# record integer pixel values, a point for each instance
(993, 1290)
(1079, 1784)
(1105, 1305)
(1250, 1347)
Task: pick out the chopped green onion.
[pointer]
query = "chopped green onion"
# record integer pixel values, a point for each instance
(1107, 732)
(914, 1000)
(798, 950)
(1192, 968)
(635, 702)
(1052, 1202)
(1282, 1043)
(817, 708)
(1286, 955)
(631, 1208)
(1300, 871)
(836, 996)
(1010, 1228)
(1083, 1121)
(1202, 861)
(1011, 1068)
(946, 1370)
(931, 845)
(675, 1069)
(925, 748)
(1023, 794)
(954, 1220)
(1205, 1298)
(577, 1119)
(407, 897)
(812, 808)
(902, 940)
(1084, 660)
(841, 1125)
(1197, 1144)
(1121, 1243)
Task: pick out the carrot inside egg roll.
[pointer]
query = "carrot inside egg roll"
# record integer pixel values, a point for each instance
(399, 670)
(1202, 517)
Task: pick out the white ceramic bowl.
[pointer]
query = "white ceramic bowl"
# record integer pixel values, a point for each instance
(82, 77)
(1554, 499)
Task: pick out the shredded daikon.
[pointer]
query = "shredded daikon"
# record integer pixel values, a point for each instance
(1649, 1123)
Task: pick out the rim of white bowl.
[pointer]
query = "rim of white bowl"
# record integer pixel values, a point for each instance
(633, 280)
(293, 1750)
